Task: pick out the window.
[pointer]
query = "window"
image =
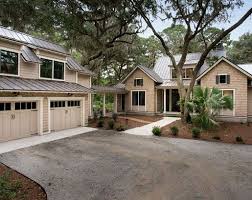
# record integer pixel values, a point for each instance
(57, 104)
(25, 105)
(58, 70)
(223, 79)
(52, 69)
(138, 82)
(187, 73)
(138, 98)
(46, 68)
(73, 103)
(8, 62)
(5, 106)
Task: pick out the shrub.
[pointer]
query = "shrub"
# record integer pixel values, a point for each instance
(100, 123)
(111, 123)
(120, 128)
(114, 116)
(8, 189)
(239, 139)
(195, 132)
(174, 130)
(216, 137)
(156, 130)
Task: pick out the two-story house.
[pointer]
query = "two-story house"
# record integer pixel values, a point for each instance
(152, 91)
(42, 89)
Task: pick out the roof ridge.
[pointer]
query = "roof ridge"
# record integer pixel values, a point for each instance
(36, 37)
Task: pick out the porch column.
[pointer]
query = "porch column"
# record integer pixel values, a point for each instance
(115, 103)
(164, 100)
(104, 105)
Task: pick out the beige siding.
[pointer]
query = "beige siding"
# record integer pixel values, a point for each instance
(85, 81)
(148, 86)
(29, 70)
(10, 45)
(238, 82)
(45, 115)
(70, 76)
(51, 55)
(250, 102)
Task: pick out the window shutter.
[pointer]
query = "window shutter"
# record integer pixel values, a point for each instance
(228, 79)
(217, 79)
(135, 82)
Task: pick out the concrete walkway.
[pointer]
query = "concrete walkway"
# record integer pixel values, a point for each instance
(35, 140)
(147, 129)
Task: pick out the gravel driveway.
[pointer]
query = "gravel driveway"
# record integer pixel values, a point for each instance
(107, 165)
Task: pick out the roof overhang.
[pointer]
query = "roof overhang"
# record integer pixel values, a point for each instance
(227, 61)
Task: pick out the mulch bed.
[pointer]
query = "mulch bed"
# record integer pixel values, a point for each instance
(145, 117)
(126, 123)
(227, 132)
(28, 190)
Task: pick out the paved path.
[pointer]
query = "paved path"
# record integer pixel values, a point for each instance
(135, 119)
(107, 165)
(147, 129)
(35, 140)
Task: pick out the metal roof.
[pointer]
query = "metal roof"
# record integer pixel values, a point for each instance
(246, 67)
(31, 40)
(36, 85)
(172, 83)
(108, 89)
(75, 66)
(28, 55)
(152, 74)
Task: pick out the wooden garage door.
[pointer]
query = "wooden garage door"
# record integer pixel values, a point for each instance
(17, 120)
(65, 115)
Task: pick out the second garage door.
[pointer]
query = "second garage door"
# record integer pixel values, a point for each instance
(65, 115)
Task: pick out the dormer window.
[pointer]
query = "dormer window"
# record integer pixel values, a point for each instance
(138, 82)
(8, 62)
(52, 69)
(223, 79)
(187, 73)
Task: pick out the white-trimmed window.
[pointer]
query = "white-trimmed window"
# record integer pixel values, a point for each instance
(5, 106)
(223, 79)
(52, 69)
(8, 62)
(138, 98)
(138, 82)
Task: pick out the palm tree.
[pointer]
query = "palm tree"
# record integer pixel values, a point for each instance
(207, 103)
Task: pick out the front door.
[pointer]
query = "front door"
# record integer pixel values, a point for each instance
(175, 100)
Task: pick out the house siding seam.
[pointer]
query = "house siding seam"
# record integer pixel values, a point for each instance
(238, 82)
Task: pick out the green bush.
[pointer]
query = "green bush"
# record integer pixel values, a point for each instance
(111, 123)
(156, 130)
(100, 123)
(195, 132)
(174, 130)
(120, 128)
(8, 189)
(239, 139)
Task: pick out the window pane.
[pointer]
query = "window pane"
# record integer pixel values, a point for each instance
(58, 70)
(8, 62)
(34, 105)
(17, 106)
(1, 106)
(23, 105)
(139, 82)
(28, 105)
(46, 68)
(8, 106)
(189, 73)
(174, 73)
(223, 79)
(141, 98)
(134, 98)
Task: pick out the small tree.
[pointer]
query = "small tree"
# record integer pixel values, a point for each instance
(207, 103)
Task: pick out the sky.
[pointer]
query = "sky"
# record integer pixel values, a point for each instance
(235, 16)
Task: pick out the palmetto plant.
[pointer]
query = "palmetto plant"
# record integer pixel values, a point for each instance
(207, 103)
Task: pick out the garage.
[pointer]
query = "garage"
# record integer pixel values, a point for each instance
(18, 119)
(65, 114)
